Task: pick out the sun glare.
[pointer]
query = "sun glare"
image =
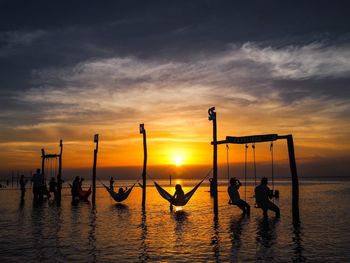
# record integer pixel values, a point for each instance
(178, 160)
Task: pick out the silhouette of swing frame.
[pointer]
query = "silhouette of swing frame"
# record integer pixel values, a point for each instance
(257, 139)
(44, 157)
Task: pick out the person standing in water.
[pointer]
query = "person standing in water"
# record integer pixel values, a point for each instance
(53, 187)
(22, 183)
(111, 183)
(263, 194)
(38, 182)
(81, 184)
(75, 187)
(235, 198)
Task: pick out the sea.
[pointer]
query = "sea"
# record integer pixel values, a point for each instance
(111, 232)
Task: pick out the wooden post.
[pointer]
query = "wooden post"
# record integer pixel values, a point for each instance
(94, 171)
(144, 173)
(212, 117)
(43, 162)
(59, 175)
(295, 182)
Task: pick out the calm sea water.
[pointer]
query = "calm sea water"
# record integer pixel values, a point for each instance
(123, 233)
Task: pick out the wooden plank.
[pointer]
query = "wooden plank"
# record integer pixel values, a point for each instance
(252, 138)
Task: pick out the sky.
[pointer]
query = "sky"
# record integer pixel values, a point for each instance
(70, 69)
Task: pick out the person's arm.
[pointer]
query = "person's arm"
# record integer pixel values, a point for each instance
(239, 184)
(174, 196)
(270, 193)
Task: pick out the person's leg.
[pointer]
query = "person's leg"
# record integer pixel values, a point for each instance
(275, 208)
(265, 212)
(247, 208)
(35, 194)
(242, 205)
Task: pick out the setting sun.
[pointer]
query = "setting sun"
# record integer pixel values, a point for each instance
(178, 160)
(178, 157)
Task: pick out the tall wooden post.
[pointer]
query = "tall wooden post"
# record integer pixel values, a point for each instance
(212, 117)
(295, 182)
(59, 175)
(43, 162)
(143, 132)
(94, 171)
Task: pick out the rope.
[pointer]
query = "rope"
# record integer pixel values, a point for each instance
(228, 164)
(272, 167)
(55, 166)
(253, 146)
(202, 179)
(245, 173)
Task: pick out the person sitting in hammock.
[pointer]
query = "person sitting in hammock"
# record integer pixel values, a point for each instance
(235, 198)
(122, 191)
(178, 195)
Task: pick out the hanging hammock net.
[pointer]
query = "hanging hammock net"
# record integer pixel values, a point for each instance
(178, 201)
(119, 197)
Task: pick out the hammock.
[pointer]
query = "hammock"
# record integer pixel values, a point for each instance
(177, 201)
(83, 195)
(119, 197)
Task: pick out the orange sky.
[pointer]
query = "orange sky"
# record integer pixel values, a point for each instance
(180, 141)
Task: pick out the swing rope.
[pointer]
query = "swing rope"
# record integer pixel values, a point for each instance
(228, 164)
(245, 173)
(272, 167)
(55, 171)
(253, 147)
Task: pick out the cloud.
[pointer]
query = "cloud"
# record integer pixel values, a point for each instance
(14, 41)
(302, 62)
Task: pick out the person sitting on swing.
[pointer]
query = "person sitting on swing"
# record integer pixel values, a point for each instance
(178, 195)
(235, 198)
(263, 194)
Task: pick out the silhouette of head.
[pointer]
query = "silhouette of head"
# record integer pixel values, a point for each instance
(38, 171)
(233, 181)
(178, 187)
(77, 178)
(264, 181)
(210, 179)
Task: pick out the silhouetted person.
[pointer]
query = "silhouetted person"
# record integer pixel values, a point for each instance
(81, 184)
(122, 191)
(45, 190)
(263, 194)
(111, 183)
(53, 186)
(22, 184)
(211, 185)
(235, 198)
(75, 187)
(179, 195)
(38, 181)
